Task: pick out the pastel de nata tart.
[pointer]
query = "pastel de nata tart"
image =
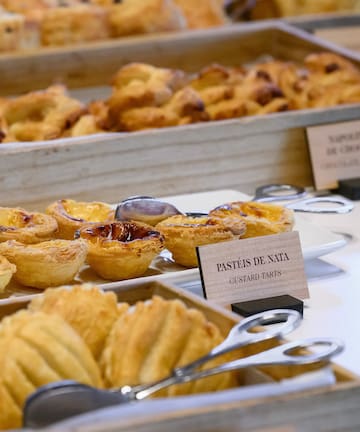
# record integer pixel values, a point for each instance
(121, 250)
(90, 311)
(260, 218)
(72, 215)
(26, 227)
(47, 264)
(152, 338)
(6, 271)
(37, 349)
(183, 233)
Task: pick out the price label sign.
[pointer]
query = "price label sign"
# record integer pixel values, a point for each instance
(254, 268)
(335, 153)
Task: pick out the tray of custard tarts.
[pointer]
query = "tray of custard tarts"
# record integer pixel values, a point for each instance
(146, 330)
(76, 241)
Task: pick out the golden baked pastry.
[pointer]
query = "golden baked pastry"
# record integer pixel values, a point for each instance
(6, 271)
(41, 115)
(121, 250)
(47, 264)
(280, 8)
(26, 227)
(11, 31)
(183, 233)
(203, 13)
(260, 218)
(154, 337)
(74, 24)
(36, 349)
(72, 215)
(89, 311)
(130, 17)
(184, 107)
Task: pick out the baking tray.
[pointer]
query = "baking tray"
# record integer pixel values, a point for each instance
(300, 403)
(342, 29)
(315, 242)
(235, 154)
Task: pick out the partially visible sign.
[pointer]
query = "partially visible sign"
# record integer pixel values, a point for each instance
(254, 268)
(335, 153)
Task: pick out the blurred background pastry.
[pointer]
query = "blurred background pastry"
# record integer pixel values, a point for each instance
(6, 271)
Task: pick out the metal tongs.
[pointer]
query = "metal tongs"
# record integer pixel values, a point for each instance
(151, 210)
(61, 400)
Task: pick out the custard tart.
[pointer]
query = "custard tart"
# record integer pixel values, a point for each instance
(121, 250)
(6, 271)
(37, 349)
(89, 311)
(183, 233)
(26, 227)
(260, 218)
(72, 215)
(47, 264)
(154, 337)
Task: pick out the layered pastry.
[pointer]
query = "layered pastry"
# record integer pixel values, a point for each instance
(74, 24)
(37, 349)
(26, 227)
(6, 271)
(130, 17)
(154, 337)
(89, 311)
(11, 31)
(40, 115)
(260, 218)
(121, 250)
(184, 233)
(203, 13)
(280, 8)
(72, 215)
(47, 264)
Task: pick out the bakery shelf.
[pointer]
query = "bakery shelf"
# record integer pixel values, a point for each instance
(235, 154)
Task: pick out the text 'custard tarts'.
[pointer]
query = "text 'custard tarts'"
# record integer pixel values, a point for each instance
(47, 264)
(183, 233)
(26, 227)
(72, 215)
(6, 271)
(260, 218)
(121, 250)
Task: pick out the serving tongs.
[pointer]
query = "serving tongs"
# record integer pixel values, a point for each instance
(61, 400)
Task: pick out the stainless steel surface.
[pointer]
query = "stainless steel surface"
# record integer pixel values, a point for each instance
(61, 400)
(313, 204)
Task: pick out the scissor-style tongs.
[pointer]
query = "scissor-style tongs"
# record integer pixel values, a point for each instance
(58, 401)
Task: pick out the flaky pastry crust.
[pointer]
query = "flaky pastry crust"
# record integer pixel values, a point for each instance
(183, 233)
(131, 17)
(203, 13)
(121, 250)
(90, 311)
(47, 264)
(74, 24)
(260, 218)
(26, 227)
(37, 349)
(154, 337)
(6, 271)
(71, 215)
